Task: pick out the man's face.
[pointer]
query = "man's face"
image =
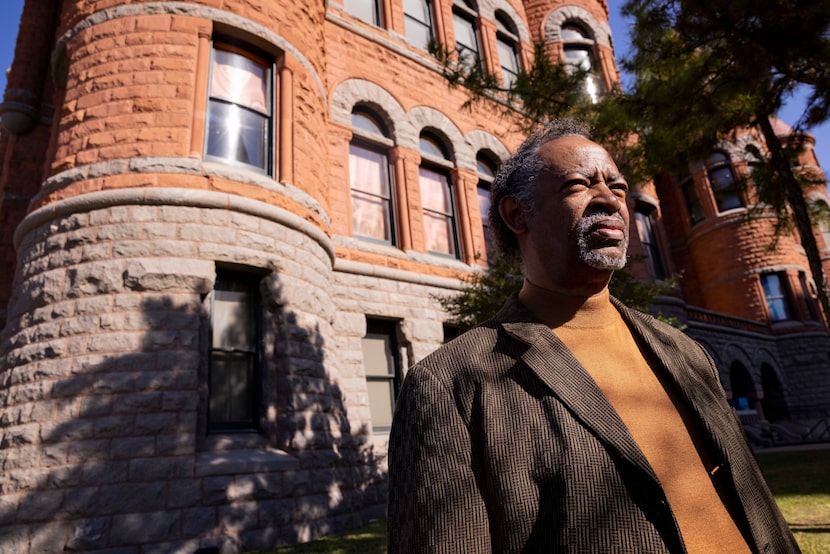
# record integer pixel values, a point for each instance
(579, 222)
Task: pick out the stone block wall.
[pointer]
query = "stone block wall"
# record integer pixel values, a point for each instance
(103, 443)
(799, 362)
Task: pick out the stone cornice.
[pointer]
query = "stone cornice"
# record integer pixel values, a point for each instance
(175, 197)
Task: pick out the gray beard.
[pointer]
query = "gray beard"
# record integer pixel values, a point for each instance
(592, 257)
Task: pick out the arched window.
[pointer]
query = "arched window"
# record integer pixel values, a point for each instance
(774, 402)
(370, 179)
(507, 40)
(437, 201)
(646, 229)
(723, 183)
(693, 205)
(578, 49)
(464, 15)
(418, 22)
(744, 396)
(754, 165)
(486, 169)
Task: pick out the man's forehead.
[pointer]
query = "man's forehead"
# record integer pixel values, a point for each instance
(575, 153)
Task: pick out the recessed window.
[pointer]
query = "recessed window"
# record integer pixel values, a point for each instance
(234, 352)
(239, 126)
(364, 10)
(723, 183)
(506, 42)
(578, 50)
(418, 22)
(370, 179)
(486, 173)
(809, 292)
(437, 198)
(646, 229)
(776, 295)
(381, 360)
(464, 16)
(821, 214)
(693, 205)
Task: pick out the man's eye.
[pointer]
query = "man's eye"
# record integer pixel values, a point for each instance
(619, 188)
(572, 183)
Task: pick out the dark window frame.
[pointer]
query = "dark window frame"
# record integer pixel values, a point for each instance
(723, 182)
(575, 38)
(468, 13)
(250, 283)
(420, 24)
(507, 36)
(691, 198)
(645, 224)
(440, 165)
(386, 328)
(782, 302)
(376, 141)
(377, 13)
(216, 105)
(486, 170)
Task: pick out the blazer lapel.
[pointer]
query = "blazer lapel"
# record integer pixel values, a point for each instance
(557, 368)
(685, 369)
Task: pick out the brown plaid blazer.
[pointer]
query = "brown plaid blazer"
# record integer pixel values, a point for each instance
(502, 442)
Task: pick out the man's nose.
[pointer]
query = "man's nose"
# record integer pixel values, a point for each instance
(605, 197)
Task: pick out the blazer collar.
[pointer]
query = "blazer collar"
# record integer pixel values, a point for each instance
(555, 366)
(686, 364)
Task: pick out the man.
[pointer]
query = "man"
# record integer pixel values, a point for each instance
(568, 422)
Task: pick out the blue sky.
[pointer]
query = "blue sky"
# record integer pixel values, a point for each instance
(790, 114)
(10, 17)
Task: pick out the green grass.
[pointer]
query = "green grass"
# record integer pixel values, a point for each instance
(370, 539)
(800, 482)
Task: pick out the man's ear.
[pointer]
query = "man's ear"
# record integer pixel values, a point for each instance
(513, 214)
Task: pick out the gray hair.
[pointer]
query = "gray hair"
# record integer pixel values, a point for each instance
(517, 176)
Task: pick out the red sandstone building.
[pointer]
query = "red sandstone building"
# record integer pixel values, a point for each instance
(224, 228)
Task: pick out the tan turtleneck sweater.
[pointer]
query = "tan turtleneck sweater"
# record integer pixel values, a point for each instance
(658, 420)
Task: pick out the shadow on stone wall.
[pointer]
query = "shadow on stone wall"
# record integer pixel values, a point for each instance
(103, 447)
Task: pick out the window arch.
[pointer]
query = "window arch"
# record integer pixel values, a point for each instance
(578, 50)
(418, 22)
(722, 182)
(507, 41)
(437, 199)
(370, 178)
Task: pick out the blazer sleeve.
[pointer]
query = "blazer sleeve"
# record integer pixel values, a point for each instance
(434, 501)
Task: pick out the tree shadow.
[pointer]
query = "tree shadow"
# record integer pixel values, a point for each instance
(104, 443)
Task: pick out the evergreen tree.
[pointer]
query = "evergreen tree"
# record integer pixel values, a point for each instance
(548, 90)
(705, 68)
(485, 293)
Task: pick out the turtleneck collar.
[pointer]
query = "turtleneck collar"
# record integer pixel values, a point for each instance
(558, 309)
